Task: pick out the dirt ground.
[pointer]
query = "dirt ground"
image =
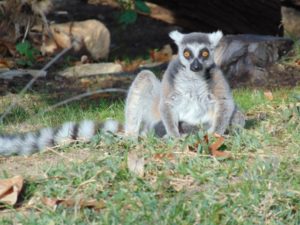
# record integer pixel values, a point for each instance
(32, 166)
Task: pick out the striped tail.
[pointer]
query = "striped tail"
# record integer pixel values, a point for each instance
(31, 142)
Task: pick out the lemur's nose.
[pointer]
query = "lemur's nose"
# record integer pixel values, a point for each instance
(196, 66)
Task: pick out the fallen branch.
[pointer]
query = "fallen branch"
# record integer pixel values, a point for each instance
(11, 74)
(41, 73)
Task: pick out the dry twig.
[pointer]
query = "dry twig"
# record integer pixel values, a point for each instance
(41, 73)
(86, 94)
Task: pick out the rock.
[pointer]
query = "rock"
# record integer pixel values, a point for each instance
(246, 59)
(91, 69)
(291, 21)
(89, 35)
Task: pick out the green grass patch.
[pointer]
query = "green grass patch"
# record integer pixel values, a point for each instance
(260, 185)
(32, 111)
(294, 56)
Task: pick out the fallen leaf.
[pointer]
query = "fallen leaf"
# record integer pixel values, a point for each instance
(164, 55)
(214, 148)
(194, 147)
(10, 189)
(86, 83)
(40, 58)
(82, 203)
(135, 164)
(131, 66)
(182, 184)
(7, 48)
(268, 95)
(50, 202)
(127, 207)
(4, 63)
(206, 139)
(164, 156)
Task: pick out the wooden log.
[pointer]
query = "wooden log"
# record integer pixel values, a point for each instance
(231, 16)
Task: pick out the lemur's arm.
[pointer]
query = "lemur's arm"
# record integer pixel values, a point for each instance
(225, 103)
(169, 117)
(167, 106)
(223, 115)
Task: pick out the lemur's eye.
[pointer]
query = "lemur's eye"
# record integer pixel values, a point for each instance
(187, 54)
(205, 53)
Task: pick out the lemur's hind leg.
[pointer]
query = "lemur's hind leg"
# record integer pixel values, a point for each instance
(142, 104)
(238, 119)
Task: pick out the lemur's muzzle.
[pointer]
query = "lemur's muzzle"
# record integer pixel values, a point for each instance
(196, 66)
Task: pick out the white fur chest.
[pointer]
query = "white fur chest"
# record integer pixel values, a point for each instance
(194, 103)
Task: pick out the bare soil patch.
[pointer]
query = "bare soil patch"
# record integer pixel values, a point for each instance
(32, 166)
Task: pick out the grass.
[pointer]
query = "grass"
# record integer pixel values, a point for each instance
(294, 55)
(260, 185)
(31, 112)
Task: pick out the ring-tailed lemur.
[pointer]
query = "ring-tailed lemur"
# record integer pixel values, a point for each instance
(193, 92)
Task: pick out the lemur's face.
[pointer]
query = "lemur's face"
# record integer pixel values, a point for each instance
(196, 50)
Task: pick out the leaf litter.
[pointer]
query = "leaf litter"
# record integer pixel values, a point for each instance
(268, 95)
(10, 190)
(81, 203)
(136, 164)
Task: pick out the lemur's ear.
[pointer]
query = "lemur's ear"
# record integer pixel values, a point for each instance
(176, 36)
(215, 37)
